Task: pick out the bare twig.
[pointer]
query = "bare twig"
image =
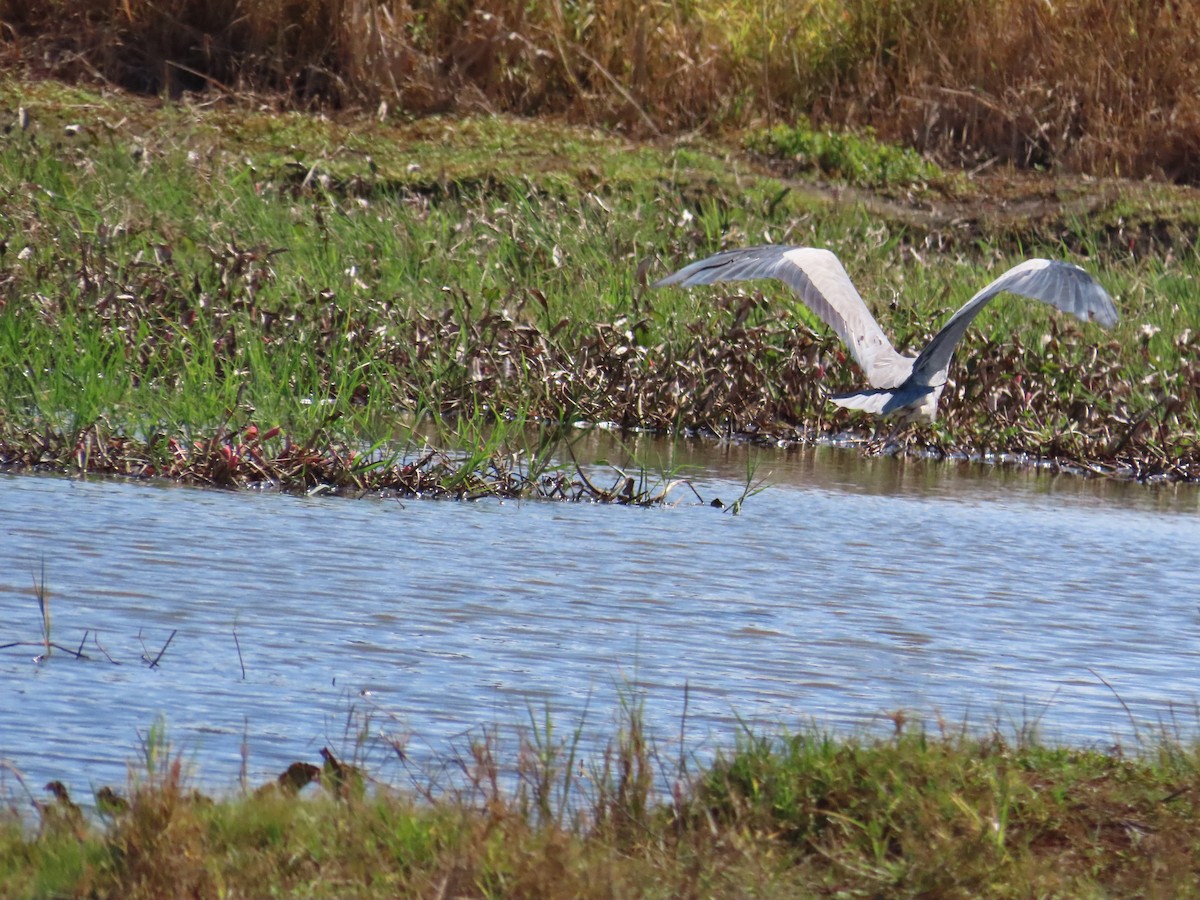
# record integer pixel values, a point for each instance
(1132, 721)
(153, 663)
(16, 773)
(244, 772)
(687, 690)
(75, 653)
(241, 663)
(100, 647)
(43, 597)
(595, 491)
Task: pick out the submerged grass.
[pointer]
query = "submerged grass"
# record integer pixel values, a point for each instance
(917, 814)
(238, 298)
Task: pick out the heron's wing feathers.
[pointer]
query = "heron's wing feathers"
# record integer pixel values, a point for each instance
(820, 280)
(874, 400)
(907, 399)
(1060, 284)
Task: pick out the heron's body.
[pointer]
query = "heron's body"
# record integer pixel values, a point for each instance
(901, 385)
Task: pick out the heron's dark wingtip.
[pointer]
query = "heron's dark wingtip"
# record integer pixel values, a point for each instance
(699, 272)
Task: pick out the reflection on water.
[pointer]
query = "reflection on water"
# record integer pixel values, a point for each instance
(848, 589)
(848, 470)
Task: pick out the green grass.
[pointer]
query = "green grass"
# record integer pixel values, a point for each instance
(921, 813)
(844, 156)
(173, 273)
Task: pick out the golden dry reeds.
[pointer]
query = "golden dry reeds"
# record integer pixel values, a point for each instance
(647, 65)
(1084, 85)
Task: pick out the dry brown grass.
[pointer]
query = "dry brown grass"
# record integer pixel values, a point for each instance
(916, 815)
(645, 65)
(1084, 85)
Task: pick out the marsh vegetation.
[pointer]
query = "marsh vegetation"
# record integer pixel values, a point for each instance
(405, 247)
(918, 814)
(236, 297)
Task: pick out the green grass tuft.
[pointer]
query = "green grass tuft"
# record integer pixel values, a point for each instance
(857, 159)
(915, 814)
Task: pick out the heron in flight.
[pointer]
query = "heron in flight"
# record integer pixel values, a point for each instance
(904, 386)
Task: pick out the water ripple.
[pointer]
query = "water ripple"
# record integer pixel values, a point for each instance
(841, 594)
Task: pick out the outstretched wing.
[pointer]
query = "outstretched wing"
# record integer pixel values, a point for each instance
(822, 283)
(913, 402)
(878, 401)
(1062, 285)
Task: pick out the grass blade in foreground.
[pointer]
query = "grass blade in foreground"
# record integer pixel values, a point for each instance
(917, 814)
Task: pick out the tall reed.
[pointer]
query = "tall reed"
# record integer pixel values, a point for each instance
(1086, 85)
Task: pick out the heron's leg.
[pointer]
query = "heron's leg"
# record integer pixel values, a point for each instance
(881, 446)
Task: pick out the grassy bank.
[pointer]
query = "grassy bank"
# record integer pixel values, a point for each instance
(913, 815)
(1081, 85)
(238, 297)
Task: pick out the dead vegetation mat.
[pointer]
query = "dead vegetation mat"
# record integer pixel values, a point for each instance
(747, 373)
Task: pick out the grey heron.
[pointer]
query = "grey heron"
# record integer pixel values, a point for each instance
(904, 386)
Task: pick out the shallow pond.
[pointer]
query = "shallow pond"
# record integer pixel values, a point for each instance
(846, 590)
